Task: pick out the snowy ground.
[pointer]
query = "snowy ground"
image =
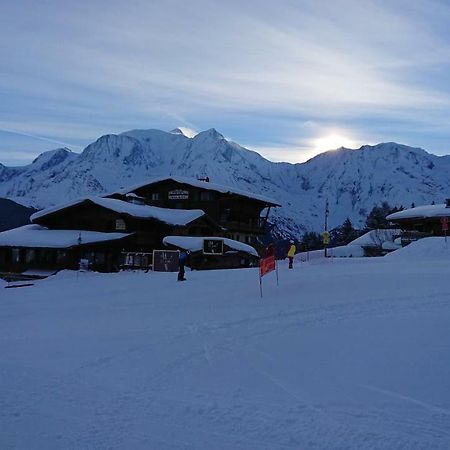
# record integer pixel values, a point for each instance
(349, 354)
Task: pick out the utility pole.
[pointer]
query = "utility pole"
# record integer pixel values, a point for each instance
(326, 235)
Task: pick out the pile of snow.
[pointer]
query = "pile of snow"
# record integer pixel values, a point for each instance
(426, 248)
(36, 236)
(347, 251)
(195, 243)
(166, 215)
(344, 251)
(377, 238)
(351, 354)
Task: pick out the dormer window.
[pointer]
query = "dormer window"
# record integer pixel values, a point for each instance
(133, 198)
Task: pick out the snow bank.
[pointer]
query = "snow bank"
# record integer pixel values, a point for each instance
(195, 243)
(425, 249)
(166, 215)
(37, 236)
(376, 238)
(347, 251)
(344, 251)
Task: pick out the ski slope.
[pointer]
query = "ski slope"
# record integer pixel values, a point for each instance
(343, 354)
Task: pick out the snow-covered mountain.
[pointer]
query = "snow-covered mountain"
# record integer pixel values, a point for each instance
(352, 180)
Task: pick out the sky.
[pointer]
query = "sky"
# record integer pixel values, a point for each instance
(287, 78)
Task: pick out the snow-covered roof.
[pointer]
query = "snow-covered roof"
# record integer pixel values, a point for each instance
(421, 212)
(203, 185)
(37, 236)
(169, 216)
(195, 243)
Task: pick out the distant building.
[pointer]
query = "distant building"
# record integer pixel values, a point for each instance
(421, 221)
(101, 230)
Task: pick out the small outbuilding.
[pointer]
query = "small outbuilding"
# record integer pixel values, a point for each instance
(421, 221)
(214, 252)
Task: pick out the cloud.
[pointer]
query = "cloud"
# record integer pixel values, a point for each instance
(78, 70)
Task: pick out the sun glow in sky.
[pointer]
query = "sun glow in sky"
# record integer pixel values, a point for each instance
(332, 142)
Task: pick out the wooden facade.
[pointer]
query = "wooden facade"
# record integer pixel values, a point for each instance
(103, 257)
(237, 213)
(147, 233)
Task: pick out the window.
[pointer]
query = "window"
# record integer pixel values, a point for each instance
(60, 256)
(156, 196)
(120, 225)
(206, 196)
(15, 255)
(30, 256)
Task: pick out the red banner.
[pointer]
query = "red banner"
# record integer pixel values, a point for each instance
(266, 265)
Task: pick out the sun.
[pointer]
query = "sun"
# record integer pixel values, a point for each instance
(332, 142)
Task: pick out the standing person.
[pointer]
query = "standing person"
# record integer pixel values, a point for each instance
(270, 251)
(182, 258)
(291, 253)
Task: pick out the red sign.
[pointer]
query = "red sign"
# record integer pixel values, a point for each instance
(266, 265)
(444, 223)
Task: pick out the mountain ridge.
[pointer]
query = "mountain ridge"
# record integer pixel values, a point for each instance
(353, 180)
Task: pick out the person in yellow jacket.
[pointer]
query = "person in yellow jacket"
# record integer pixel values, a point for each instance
(291, 253)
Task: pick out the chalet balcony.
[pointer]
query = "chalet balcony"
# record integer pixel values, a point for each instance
(250, 227)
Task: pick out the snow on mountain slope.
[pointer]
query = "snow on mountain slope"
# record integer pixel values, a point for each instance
(353, 180)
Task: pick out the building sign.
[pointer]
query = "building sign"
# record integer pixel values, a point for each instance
(178, 194)
(165, 260)
(120, 225)
(136, 260)
(326, 238)
(213, 246)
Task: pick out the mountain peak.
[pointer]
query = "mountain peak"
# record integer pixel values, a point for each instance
(56, 155)
(212, 133)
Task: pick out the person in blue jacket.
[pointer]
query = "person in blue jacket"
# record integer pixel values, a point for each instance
(181, 263)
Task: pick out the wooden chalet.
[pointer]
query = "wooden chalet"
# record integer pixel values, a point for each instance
(96, 229)
(101, 229)
(421, 221)
(237, 212)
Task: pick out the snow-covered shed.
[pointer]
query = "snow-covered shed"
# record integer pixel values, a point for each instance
(228, 253)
